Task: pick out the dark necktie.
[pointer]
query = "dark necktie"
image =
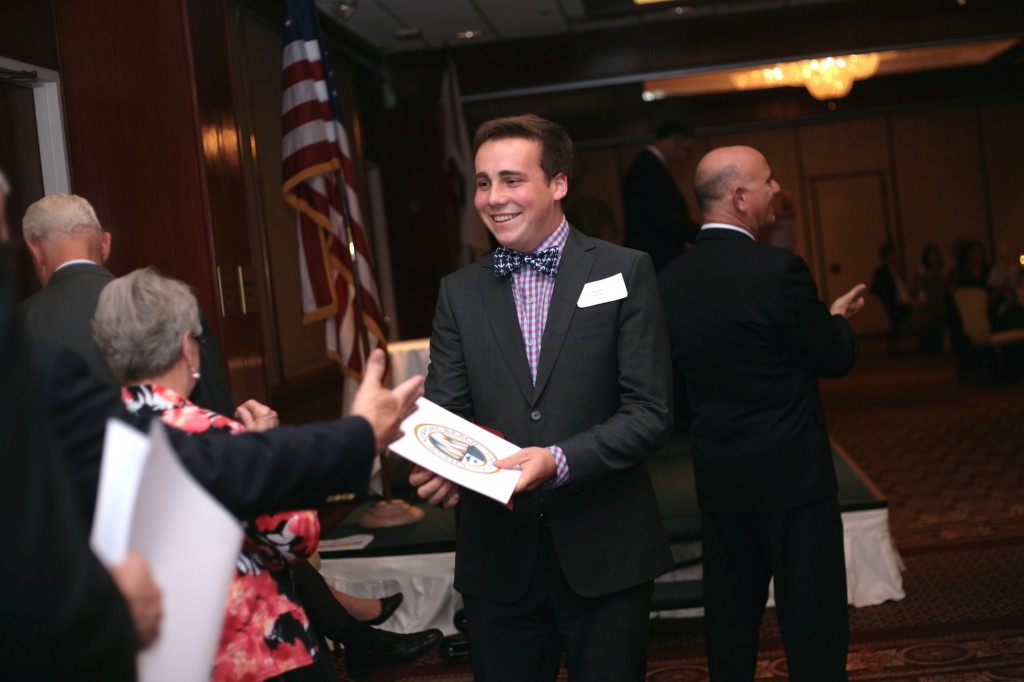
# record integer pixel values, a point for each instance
(507, 261)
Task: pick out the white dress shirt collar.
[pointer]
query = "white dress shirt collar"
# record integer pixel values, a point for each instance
(727, 226)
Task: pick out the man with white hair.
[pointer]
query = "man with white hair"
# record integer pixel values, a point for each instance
(68, 248)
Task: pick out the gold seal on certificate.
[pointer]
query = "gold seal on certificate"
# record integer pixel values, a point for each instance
(457, 449)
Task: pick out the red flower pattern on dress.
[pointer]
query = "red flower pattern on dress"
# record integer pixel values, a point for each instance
(266, 632)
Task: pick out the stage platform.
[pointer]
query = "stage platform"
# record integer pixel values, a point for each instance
(418, 560)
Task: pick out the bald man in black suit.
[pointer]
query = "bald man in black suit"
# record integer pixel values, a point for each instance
(751, 338)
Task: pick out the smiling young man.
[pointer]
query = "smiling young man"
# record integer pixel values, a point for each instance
(557, 341)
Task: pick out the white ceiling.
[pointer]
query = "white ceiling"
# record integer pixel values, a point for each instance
(406, 25)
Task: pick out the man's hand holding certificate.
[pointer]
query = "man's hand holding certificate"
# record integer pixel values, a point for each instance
(457, 450)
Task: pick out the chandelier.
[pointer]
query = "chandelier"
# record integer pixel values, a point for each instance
(825, 78)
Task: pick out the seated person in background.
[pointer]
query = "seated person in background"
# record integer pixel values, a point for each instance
(931, 285)
(970, 267)
(889, 285)
(1003, 279)
(148, 327)
(973, 270)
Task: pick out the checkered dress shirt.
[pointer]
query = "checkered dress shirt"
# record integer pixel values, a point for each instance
(532, 292)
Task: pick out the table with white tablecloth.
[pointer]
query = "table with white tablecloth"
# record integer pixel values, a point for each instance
(419, 560)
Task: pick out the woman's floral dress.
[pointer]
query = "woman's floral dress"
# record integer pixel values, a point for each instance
(266, 632)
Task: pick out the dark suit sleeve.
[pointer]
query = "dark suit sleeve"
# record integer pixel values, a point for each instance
(643, 421)
(290, 467)
(825, 344)
(447, 383)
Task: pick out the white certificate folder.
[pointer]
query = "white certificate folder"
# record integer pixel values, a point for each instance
(458, 450)
(149, 503)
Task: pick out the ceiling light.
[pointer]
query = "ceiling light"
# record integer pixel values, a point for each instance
(825, 77)
(344, 9)
(470, 34)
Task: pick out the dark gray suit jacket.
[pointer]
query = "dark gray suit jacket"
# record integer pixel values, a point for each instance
(61, 314)
(602, 395)
(751, 337)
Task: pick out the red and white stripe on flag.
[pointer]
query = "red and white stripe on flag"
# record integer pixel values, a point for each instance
(315, 154)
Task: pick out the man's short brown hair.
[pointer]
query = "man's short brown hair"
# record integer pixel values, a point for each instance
(555, 144)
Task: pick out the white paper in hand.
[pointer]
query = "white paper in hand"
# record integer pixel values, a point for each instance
(458, 450)
(190, 542)
(124, 456)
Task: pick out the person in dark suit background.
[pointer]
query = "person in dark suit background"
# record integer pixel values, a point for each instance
(581, 381)
(657, 219)
(751, 338)
(69, 247)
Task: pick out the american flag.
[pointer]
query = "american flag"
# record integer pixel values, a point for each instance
(316, 160)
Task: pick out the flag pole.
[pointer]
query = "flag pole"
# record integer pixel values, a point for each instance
(389, 511)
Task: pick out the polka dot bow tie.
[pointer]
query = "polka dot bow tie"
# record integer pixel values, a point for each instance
(507, 261)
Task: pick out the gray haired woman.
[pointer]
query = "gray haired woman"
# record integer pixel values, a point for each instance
(148, 327)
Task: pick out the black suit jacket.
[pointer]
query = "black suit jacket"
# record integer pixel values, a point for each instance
(61, 313)
(602, 394)
(751, 338)
(657, 219)
(64, 617)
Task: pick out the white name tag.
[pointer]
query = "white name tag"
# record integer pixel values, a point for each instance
(602, 291)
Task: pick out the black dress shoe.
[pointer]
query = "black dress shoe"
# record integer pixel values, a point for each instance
(387, 607)
(394, 649)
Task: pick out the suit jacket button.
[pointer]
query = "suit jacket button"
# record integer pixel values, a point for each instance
(535, 415)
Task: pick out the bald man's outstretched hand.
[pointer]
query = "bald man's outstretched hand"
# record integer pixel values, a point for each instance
(383, 408)
(850, 303)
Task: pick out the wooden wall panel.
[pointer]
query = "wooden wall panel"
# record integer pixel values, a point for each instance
(133, 140)
(153, 144)
(851, 213)
(840, 151)
(1002, 137)
(594, 201)
(940, 179)
(222, 184)
(845, 146)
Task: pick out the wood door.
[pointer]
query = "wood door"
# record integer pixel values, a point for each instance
(851, 217)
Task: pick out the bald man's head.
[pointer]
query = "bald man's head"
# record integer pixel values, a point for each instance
(734, 185)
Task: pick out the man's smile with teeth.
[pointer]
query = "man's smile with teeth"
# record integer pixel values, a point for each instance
(504, 217)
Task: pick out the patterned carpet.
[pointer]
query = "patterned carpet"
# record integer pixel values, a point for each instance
(950, 458)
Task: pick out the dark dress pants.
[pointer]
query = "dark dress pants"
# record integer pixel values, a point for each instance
(604, 638)
(803, 549)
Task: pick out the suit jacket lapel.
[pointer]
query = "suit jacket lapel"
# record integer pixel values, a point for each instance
(501, 311)
(573, 268)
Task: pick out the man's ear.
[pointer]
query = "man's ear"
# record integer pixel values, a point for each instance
(739, 199)
(105, 247)
(35, 247)
(561, 185)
